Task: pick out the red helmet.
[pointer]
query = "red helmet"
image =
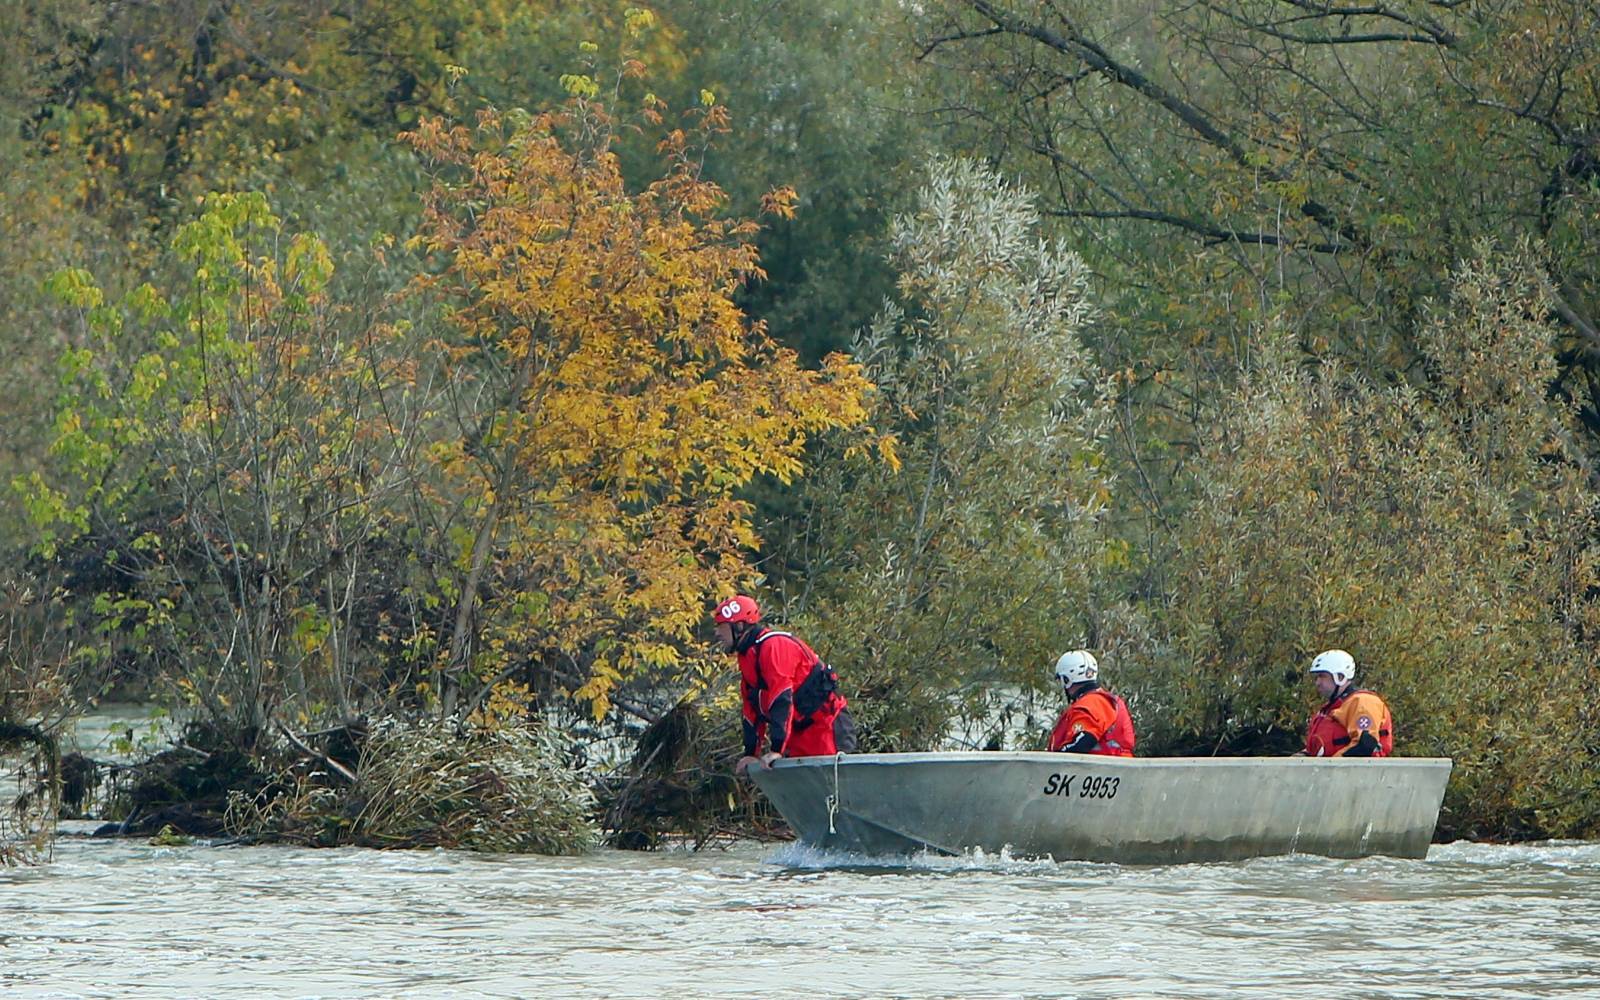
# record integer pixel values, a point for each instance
(738, 608)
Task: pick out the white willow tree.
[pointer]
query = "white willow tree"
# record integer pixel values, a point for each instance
(943, 588)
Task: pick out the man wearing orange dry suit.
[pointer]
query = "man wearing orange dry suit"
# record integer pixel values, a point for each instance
(1095, 721)
(1352, 722)
(787, 692)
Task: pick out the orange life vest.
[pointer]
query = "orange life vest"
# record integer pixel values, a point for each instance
(1337, 725)
(1115, 736)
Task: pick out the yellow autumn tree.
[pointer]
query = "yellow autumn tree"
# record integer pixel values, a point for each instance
(608, 397)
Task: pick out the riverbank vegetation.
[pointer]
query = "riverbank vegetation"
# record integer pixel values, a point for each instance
(392, 387)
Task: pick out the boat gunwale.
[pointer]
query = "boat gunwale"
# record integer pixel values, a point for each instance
(1041, 756)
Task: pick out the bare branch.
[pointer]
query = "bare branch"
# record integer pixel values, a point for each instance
(1075, 44)
(308, 750)
(1434, 32)
(1082, 48)
(1367, 39)
(1569, 315)
(959, 36)
(1215, 234)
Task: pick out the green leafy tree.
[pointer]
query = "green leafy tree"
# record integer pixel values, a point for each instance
(116, 120)
(820, 88)
(232, 478)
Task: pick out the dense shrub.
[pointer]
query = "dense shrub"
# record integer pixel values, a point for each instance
(1441, 532)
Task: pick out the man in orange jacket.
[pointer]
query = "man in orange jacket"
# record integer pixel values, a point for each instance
(1352, 722)
(788, 693)
(1095, 721)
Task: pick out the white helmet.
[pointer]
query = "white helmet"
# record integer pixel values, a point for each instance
(1077, 666)
(1338, 663)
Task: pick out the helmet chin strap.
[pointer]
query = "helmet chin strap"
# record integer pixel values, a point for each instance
(742, 634)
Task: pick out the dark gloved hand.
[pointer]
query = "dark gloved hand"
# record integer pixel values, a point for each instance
(1083, 743)
(1366, 746)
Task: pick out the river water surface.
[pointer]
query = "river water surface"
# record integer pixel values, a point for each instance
(126, 919)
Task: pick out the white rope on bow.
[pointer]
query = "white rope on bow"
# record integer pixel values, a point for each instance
(833, 800)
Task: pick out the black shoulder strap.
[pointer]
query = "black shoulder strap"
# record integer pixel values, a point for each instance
(760, 640)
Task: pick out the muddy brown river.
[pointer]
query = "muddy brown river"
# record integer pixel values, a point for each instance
(126, 919)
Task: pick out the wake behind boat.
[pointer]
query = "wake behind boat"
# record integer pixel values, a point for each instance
(1117, 809)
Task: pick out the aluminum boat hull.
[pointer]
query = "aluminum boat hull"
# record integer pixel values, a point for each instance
(1124, 810)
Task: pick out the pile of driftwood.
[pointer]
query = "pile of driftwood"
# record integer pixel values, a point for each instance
(435, 784)
(30, 792)
(679, 788)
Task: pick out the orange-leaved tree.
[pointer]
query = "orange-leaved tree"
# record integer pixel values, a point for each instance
(609, 400)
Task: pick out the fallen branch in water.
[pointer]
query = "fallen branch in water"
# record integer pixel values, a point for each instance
(308, 750)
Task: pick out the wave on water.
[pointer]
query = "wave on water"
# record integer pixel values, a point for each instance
(1552, 853)
(798, 854)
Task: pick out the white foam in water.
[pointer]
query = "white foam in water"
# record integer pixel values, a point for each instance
(799, 854)
(1546, 853)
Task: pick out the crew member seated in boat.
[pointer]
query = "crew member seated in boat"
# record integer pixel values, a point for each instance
(1352, 722)
(788, 693)
(1095, 720)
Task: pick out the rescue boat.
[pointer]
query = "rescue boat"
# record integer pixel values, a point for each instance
(1117, 809)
